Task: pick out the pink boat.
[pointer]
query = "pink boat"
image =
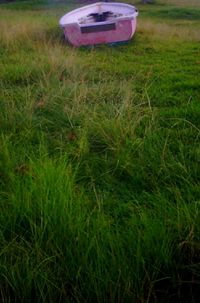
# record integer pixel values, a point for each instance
(100, 22)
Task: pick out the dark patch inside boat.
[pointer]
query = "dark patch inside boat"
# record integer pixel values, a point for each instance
(101, 17)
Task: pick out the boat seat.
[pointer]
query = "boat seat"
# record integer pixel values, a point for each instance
(101, 17)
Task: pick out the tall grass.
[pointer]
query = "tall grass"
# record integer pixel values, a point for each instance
(99, 153)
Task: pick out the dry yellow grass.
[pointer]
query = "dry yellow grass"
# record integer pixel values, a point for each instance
(21, 29)
(181, 30)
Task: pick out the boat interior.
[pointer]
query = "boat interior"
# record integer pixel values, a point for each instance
(99, 17)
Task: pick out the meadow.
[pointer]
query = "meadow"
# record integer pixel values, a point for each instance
(99, 158)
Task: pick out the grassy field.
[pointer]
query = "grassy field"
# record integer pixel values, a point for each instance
(99, 159)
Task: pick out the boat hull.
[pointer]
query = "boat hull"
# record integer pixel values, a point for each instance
(119, 31)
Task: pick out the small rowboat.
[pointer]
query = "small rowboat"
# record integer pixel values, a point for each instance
(100, 22)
